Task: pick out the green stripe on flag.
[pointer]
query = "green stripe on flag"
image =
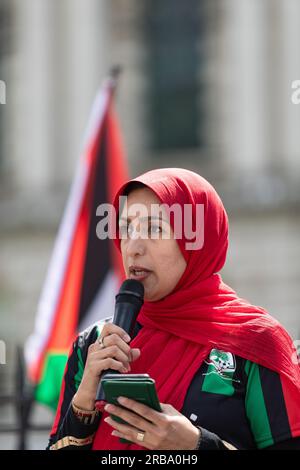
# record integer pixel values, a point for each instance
(256, 408)
(48, 390)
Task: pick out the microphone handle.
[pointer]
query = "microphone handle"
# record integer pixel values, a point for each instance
(125, 316)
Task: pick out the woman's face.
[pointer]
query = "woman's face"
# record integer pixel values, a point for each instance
(161, 257)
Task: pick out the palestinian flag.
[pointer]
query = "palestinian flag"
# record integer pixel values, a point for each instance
(85, 273)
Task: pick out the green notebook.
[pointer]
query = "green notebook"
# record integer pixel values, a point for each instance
(139, 387)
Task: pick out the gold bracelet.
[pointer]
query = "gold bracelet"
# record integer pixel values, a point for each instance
(85, 416)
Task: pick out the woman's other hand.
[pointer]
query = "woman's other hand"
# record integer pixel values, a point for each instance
(164, 430)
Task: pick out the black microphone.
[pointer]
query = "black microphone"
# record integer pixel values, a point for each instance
(129, 301)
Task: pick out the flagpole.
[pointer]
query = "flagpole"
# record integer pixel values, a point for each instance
(114, 74)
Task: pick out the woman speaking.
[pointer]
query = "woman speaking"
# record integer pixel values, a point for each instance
(225, 370)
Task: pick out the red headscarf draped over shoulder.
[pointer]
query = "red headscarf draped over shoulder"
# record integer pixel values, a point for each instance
(202, 312)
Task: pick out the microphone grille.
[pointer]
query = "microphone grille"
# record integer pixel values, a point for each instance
(133, 287)
(131, 291)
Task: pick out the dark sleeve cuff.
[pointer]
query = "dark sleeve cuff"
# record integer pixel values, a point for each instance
(210, 441)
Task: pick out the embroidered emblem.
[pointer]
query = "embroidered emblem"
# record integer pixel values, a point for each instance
(221, 363)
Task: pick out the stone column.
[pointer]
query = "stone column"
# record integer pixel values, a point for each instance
(241, 88)
(288, 135)
(82, 58)
(29, 142)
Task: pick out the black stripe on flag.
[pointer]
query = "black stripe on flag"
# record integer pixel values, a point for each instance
(97, 261)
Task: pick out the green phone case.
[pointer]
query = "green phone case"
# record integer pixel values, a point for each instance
(139, 387)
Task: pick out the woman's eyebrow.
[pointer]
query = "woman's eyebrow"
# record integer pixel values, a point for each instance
(149, 218)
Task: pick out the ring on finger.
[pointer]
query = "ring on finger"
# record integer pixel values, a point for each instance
(140, 436)
(101, 341)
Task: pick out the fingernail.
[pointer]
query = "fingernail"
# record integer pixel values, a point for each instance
(126, 338)
(109, 408)
(122, 400)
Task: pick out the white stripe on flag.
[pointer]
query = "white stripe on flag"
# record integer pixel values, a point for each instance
(103, 304)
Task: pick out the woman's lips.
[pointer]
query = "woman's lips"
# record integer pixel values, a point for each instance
(139, 276)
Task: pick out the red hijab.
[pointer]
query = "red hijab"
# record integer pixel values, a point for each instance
(202, 312)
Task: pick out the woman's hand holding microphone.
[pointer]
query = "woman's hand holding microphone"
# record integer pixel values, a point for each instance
(110, 351)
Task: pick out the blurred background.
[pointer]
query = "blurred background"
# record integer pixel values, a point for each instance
(206, 85)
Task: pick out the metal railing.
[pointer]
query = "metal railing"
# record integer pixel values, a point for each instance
(22, 401)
